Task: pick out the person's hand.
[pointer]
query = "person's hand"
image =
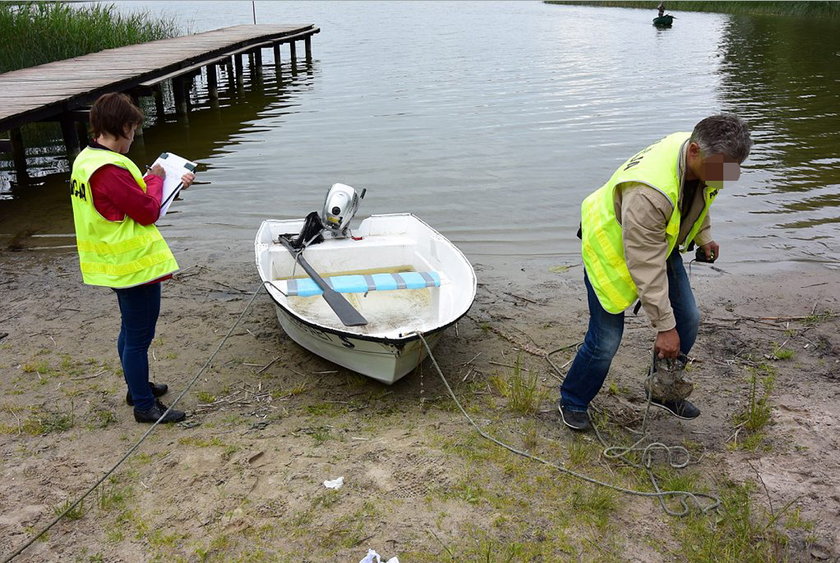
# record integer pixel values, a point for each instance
(187, 180)
(667, 344)
(711, 250)
(157, 170)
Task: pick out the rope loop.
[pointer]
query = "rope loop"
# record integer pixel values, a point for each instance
(612, 452)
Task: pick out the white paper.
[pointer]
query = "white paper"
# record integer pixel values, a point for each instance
(175, 167)
(335, 483)
(373, 557)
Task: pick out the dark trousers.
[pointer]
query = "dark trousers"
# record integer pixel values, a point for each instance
(593, 359)
(139, 307)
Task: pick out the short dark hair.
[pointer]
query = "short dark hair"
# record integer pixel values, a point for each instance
(723, 134)
(112, 112)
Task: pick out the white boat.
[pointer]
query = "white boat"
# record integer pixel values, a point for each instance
(401, 275)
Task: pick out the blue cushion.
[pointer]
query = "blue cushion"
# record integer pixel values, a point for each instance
(357, 283)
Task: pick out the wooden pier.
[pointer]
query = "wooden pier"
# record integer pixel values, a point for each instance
(64, 90)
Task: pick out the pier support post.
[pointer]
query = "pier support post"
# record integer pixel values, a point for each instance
(277, 60)
(189, 82)
(160, 110)
(257, 62)
(179, 93)
(212, 84)
(237, 63)
(68, 133)
(308, 44)
(256, 70)
(19, 155)
(82, 132)
(81, 118)
(231, 80)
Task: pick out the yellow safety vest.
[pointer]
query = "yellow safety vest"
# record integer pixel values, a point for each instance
(115, 254)
(657, 166)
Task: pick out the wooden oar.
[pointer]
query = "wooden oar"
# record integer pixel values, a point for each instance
(346, 313)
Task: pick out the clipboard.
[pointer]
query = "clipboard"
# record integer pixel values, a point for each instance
(175, 167)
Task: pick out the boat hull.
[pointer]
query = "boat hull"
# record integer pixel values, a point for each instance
(382, 360)
(663, 21)
(388, 347)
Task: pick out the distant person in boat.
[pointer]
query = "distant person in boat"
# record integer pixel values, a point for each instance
(661, 9)
(114, 210)
(633, 229)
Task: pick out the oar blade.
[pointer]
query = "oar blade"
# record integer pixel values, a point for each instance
(345, 312)
(348, 315)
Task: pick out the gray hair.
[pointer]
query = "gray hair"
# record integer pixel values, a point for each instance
(723, 134)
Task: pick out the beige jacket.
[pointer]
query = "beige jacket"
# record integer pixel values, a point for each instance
(644, 213)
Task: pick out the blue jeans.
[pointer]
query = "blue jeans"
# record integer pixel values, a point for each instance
(593, 359)
(140, 307)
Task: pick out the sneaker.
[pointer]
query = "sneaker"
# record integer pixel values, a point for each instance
(157, 410)
(576, 420)
(158, 390)
(680, 408)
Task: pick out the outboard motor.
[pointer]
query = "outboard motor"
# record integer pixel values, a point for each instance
(340, 206)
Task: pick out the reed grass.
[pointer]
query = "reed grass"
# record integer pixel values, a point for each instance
(804, 9)
(35, 33)
(521, 389)
(757, 413)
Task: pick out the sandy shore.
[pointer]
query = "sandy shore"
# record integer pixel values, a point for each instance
(269, 422)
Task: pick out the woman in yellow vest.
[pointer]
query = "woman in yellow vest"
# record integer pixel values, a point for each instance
(114, 210)
(632, 230)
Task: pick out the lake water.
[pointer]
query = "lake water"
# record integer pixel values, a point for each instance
(491, 121)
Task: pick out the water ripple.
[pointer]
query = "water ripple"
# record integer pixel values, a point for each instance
(492, 121)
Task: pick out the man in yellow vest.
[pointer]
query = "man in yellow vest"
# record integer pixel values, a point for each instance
(632, 230)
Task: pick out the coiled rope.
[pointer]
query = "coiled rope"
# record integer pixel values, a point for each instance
(647, 452)
(142, 439)
(614, 452)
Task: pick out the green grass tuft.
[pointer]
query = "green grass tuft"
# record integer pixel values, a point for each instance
(521, 389)
(781, 353)
(42, 421)
(205, 397)
(75, 513)
(757, 413)
(738, 531)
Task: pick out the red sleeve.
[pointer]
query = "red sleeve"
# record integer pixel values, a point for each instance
(116, 194)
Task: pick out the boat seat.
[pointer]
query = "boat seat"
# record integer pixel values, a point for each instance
(360, 283)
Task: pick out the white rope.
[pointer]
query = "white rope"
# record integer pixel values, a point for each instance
(648, 451)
